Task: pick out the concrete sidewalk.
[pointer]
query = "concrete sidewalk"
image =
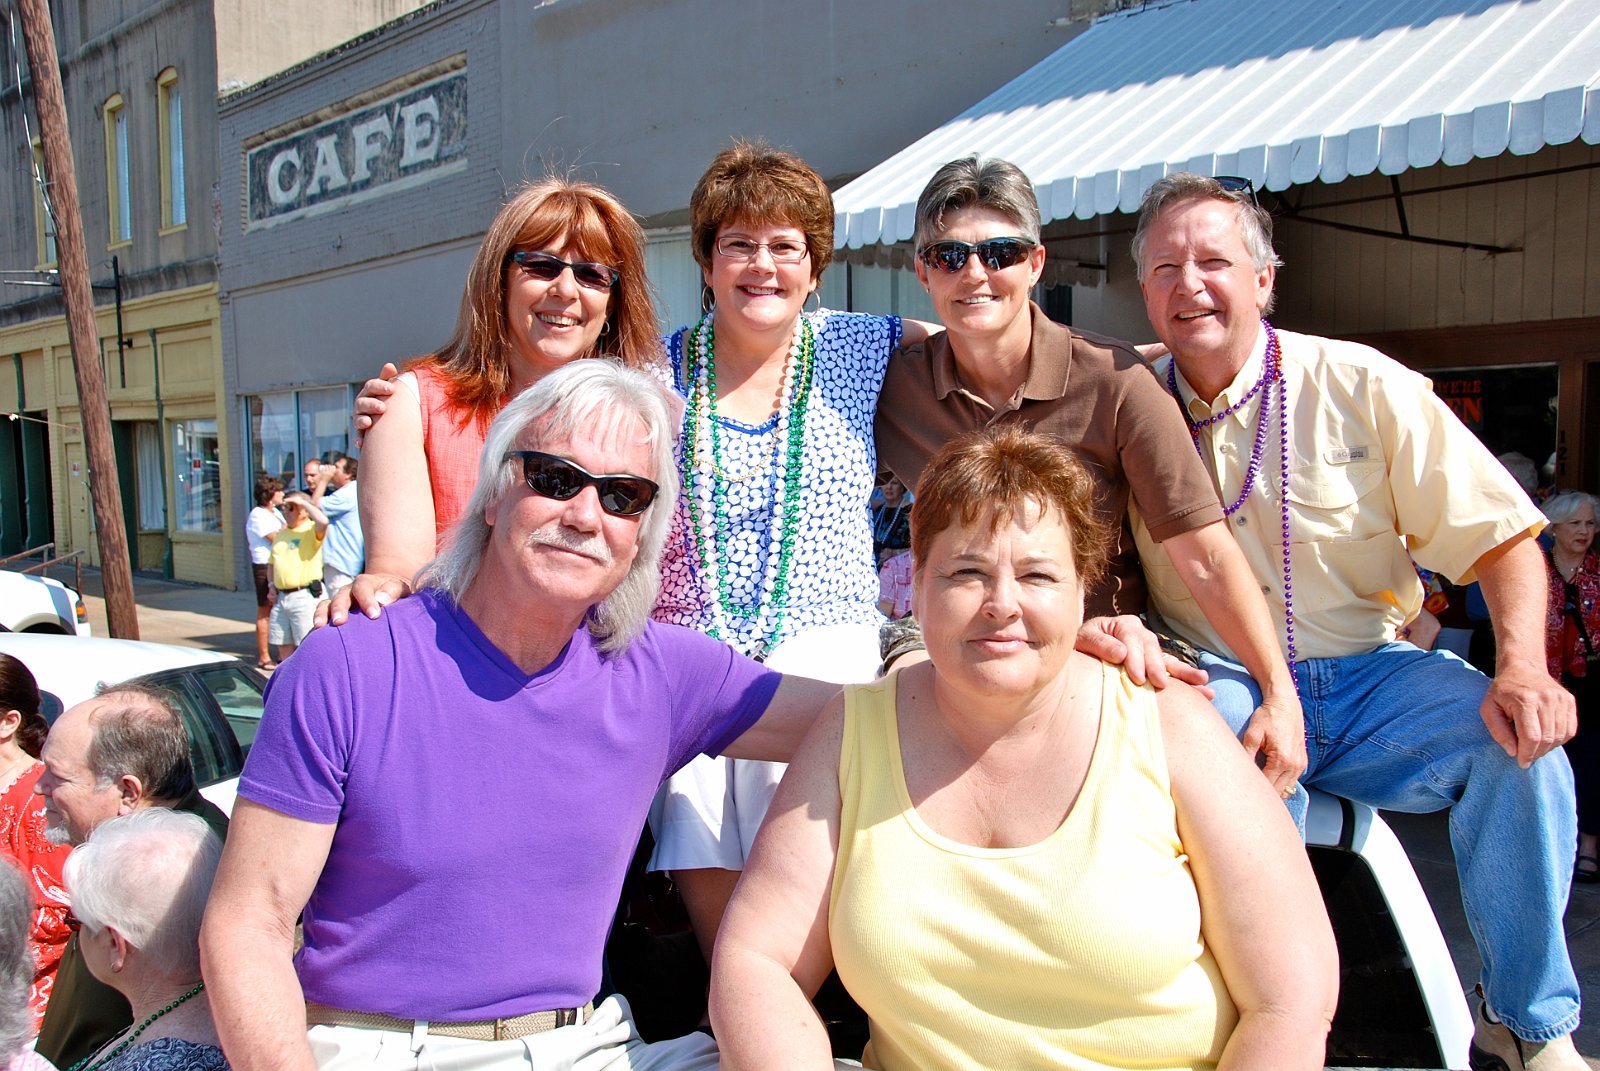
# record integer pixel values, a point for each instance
(218, 620)
(174, 612)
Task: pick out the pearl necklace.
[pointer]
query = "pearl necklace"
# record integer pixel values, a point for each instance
(114, 1053)
(1567, 572)
(707, 493)
(1271, 376)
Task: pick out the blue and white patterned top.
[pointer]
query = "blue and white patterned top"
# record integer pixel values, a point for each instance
(168, 1054)
(832, 579)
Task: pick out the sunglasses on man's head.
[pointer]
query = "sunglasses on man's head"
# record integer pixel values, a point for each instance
(546, 266)
(549, 476)
(1235, 184)
(994, 254)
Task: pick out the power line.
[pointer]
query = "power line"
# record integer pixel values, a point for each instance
(27, 134)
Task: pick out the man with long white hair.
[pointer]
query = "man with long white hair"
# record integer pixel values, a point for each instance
(452, 792)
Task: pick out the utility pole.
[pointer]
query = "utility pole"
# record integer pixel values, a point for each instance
(94, 410)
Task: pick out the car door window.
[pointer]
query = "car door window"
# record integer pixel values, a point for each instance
(216, 753)
(237, 692)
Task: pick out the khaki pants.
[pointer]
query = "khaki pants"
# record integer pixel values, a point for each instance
(607, 1042)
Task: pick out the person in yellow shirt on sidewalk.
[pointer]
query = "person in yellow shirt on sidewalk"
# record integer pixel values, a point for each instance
(296, 572)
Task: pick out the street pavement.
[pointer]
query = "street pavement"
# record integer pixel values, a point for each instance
(218, 620)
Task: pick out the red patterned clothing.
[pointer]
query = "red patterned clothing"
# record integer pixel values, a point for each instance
(1564, 647)
(894, 584)
(22, 836)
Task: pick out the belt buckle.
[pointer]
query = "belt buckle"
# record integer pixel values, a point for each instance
(500, 1030)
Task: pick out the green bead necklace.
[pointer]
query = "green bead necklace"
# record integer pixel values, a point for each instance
(708, 480)
(114, 1053)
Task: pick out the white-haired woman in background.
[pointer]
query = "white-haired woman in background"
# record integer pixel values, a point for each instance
(139, 887)
(16, 974)
(1572, 648)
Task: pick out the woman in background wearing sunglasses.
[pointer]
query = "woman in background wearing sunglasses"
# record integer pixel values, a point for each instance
(559, 276)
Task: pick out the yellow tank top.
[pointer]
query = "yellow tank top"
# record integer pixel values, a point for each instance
(1081, 951)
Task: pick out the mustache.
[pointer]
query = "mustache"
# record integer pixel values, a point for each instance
(566, 539)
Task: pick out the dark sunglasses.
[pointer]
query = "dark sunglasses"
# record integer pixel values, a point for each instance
(545, 267)
(994, 254)
(1236, 184)
(549, 476)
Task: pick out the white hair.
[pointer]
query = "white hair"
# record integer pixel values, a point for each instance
(16, 961)
(1566, 505)
(577, 401)
(147, 875)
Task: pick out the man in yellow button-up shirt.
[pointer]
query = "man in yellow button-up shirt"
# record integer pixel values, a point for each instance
(1337, 467)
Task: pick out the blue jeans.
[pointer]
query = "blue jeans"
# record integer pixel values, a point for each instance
(1398, 728)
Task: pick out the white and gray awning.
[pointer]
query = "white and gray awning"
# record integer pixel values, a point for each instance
(1282, 92)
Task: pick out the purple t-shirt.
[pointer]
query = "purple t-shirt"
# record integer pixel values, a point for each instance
(485, 817)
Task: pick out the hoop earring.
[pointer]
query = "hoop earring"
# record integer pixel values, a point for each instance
(814, 294)
(605, 328)
(708, 300)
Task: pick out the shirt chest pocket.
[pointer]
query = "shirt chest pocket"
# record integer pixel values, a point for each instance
(1332, 501)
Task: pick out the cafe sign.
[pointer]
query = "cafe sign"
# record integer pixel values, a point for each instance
(400, 135)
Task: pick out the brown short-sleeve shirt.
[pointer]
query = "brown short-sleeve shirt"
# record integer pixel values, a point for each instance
(1097, 395)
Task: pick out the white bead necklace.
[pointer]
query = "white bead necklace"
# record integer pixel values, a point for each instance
(708, 495)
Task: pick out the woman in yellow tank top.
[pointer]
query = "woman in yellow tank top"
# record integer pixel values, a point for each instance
(1015, 857)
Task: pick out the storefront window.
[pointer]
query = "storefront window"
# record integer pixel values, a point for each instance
(273, 442)
(147, 461)
(1512, 409)
(197, 475)
(286, 429)
(324, 423)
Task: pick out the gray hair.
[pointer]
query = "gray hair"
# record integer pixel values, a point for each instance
(971, 182)
(16, 961)
(574, 401)
(139, 731)
(1565, 506)
(147, 875)
(1255, 223)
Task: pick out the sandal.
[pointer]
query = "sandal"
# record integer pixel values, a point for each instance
(1587, 872)
(268, 667)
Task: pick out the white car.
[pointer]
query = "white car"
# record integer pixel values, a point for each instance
(30, 603)
(219, 696)
(1400, 999)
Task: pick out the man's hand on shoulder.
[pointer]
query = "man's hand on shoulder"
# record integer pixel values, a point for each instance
(1125, 641)
(1528, 712)
(1277, 733)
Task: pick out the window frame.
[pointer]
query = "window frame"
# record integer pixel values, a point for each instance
(119, 178)
(45, 236)
(174, 199)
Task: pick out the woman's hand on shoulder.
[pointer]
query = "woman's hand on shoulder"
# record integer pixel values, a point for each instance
(372, 401)
(368, 593)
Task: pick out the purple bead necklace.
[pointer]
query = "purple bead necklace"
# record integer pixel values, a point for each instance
(1271, 375)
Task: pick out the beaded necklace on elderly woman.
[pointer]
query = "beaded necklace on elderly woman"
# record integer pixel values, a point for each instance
(1271, 376)
(85, 1065)
(708, 481)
